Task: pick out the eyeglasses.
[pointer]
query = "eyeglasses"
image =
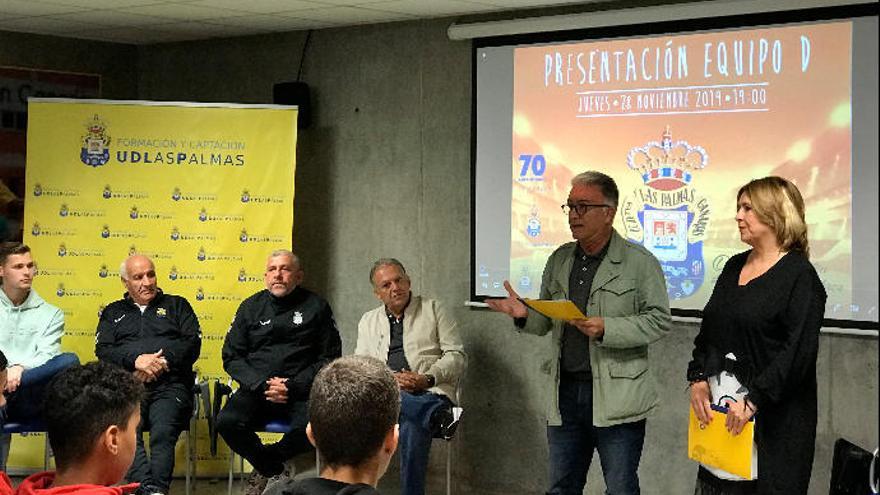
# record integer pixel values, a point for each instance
(581, 208)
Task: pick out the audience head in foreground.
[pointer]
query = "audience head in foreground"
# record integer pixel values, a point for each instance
(353, 410)
(92, 412)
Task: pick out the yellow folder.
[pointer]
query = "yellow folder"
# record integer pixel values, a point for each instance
(558, 310)
(713, 445)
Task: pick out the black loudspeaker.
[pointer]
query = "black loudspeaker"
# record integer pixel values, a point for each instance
(294, 93)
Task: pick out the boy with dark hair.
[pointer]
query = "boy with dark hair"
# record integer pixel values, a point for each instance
(91, 413)
(353, 408)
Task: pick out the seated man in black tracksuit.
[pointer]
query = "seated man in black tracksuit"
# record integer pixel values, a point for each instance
(279, 339)
(156, 336)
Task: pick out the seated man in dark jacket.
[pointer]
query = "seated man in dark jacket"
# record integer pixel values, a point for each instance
(156, 336)
(279, 339)
(353, 411)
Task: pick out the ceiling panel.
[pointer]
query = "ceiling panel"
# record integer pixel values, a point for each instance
(421, 8)
(160, 21)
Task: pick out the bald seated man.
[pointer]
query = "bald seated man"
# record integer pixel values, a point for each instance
(156, 337)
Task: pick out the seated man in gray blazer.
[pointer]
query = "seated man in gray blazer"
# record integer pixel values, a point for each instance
(422, 346)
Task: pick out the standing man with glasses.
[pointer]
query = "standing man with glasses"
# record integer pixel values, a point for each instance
(605, 389)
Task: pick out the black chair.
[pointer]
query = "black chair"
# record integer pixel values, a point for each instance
(457, 411)
(852, 470)
(25, 428)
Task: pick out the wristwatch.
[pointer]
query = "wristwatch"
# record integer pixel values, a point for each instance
(431, 380)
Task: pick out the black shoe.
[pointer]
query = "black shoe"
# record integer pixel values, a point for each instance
(449, 429)
(445, 421)
(148, 489)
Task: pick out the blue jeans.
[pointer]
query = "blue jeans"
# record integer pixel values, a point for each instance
(25, 404)
(572, 445)
(415, 438)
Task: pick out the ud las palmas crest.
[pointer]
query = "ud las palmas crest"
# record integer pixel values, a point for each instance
(95, 144)
(668, 215)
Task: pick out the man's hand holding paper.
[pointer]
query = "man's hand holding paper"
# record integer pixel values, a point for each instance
(591, 327)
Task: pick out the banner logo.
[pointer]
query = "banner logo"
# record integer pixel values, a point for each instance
(95, 149)
(175, 274)
(247, 197)
(61, 291)
(243, 276)
(668, 215)
(178, 195)
(67, 192)
(533, 225)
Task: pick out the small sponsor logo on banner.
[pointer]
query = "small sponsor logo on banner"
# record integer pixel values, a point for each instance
(248, 197)
(53, 192)
(178, 195)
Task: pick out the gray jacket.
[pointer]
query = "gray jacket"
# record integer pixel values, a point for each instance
(629, 292)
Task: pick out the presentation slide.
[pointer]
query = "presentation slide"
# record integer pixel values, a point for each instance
(680, 122)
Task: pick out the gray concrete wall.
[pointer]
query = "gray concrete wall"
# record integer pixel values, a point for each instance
(384, 171)
(115, 63)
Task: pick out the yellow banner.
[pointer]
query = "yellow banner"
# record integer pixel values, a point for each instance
(205, 190)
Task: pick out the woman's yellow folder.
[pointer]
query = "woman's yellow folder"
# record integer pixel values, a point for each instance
(713, 445)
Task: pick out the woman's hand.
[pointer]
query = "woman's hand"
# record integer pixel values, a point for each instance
(701, 401)
(738, 414)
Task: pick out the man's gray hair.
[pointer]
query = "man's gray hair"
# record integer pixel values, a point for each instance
(123, 267)
(379, 263)
(286, 252)
(605, 184)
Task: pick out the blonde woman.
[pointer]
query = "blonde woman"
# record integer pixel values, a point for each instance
(758, 342)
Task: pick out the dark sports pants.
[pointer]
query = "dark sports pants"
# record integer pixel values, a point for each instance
(246, 413)
(164, 413)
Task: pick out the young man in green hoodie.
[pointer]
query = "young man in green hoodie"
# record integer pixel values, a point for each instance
(30, 337)
(92, 434)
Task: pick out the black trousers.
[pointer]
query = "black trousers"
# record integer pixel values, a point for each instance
(246, 413)
(164, 413)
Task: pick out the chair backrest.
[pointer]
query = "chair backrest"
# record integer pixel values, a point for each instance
(277, 426)
(35, 426)
(850, 469)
